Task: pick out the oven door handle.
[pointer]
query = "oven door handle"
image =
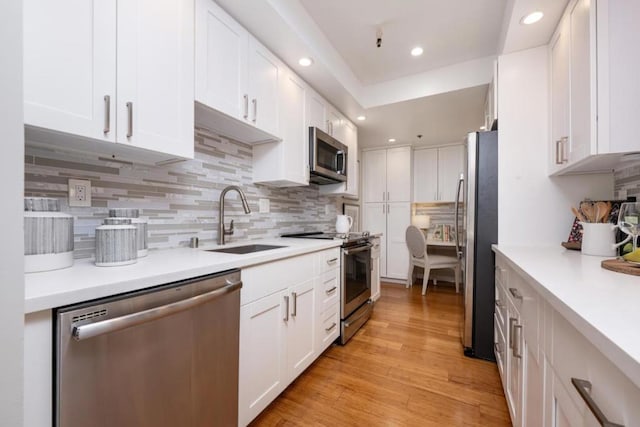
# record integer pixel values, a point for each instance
(356, 250)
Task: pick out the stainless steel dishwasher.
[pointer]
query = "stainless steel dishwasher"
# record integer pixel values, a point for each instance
(166, 356)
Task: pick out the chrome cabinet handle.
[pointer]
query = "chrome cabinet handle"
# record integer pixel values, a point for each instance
(517, 346)
(330, 291)
(388, 199)
(129, 119)
(499, 303)
(107, 114)
(512, 322)
(558, 152)
(118, 323)
(565, 140)
(246, 106)
(254, 101)
(328, 127)
(332, 327)
(383, 196)
(496, 348)
(286, 311)
(584, 390)
(294, 310)
(516, 293)
(332, 261)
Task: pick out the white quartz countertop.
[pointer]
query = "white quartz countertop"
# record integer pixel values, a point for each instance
(603, 305)
(84, 281)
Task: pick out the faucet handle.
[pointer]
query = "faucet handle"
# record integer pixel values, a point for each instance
(230, 230)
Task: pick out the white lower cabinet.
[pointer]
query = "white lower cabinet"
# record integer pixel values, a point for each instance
(542, 358)
(375, 269)
(286, 321)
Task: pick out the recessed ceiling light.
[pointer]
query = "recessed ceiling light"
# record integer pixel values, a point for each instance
(417, 51)
(305, 62)
(532, 18)
(392, 140)
(361, 118)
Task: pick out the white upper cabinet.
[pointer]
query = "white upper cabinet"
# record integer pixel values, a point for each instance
(117, 71)
(317, 112)
(236, 78)
(348, 135)
(155, 75)
(399, 174)
(436, 173)
(286, 163)
(374, 175)
(594, 92)
(69, 66)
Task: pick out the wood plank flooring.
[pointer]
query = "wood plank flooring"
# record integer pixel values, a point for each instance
(405, 367)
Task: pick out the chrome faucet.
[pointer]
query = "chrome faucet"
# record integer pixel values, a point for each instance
(222, 230)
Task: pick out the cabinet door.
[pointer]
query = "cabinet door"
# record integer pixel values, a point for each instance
(263, 370)
(425, 175)
(317, 112)
(514, 356)
(293, 129)
(374, 219)
(221, 61)
(398, 219)
(450, 166)
(532, 387)
(375, 279)
(156, 75)
(399, 174)
(301, 328)
(70, 66)
(560, 56)
(353, 170)
(335, 124)
(264, 74)
(581, 76)
(374, 177)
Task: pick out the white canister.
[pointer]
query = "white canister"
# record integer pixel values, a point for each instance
(116, 243)
(343, 224)
(139, 223)
(598, 239)
(48, 235)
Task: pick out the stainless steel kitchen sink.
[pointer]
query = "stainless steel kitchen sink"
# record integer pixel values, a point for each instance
(246, 249)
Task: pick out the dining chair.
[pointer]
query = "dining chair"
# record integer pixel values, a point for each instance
(417, 244)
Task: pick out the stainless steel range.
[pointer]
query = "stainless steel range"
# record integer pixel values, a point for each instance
(355, 285)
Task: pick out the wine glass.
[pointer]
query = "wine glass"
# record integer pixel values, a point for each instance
(629, 221)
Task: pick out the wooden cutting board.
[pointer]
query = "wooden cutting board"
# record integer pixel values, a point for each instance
(620, 266)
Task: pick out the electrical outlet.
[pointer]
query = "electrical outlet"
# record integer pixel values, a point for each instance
(263, 205)
(79, 192)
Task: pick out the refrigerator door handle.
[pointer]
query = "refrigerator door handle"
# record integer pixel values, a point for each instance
(457, 215)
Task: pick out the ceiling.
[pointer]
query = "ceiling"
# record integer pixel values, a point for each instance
(448, 33)
(440, 119)
(439, 95)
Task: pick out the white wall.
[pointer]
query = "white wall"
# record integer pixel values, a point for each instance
(11, 193)
(533, 208)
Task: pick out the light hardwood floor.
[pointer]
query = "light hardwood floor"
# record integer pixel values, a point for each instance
(405, 367)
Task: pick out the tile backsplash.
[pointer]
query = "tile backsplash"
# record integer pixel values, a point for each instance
(179, 200)
(627, 179)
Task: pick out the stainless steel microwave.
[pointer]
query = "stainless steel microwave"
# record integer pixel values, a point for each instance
(327, 158)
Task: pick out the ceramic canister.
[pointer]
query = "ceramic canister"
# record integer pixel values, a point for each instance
(139, 223)
(116, 243)
(48, 235)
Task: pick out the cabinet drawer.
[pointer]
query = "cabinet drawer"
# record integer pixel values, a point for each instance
(328, 327)
(573, 356)
(328, 260)
(328, 289)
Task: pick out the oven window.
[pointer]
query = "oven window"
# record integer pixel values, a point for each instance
(357, 271)
(326, 156)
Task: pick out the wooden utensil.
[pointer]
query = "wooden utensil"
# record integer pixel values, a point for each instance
(589, 211)
(578, 215)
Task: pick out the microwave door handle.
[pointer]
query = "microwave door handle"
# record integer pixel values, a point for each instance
(340, 168)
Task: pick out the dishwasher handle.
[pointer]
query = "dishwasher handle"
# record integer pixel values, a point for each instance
(118, 323)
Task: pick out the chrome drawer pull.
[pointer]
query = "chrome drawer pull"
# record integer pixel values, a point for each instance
(107, 114)
(516, 294)
(129, 119)
(584, 389)
(512, 322)
(496, 348)
(286, 310)
(332, 261)
(517, 345)
(330, 328)
(294, 311)
(246, 106)
(330, 291)
(499, 304)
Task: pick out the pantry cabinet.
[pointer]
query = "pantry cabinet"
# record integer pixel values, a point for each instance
(436, 172)
(112, 71)
(593, 86)
(387, 207)
(237, 78)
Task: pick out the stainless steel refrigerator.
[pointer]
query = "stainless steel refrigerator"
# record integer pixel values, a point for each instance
(476, 230)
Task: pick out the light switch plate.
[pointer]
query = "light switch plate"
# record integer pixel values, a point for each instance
(264, 205)
(79, 192)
